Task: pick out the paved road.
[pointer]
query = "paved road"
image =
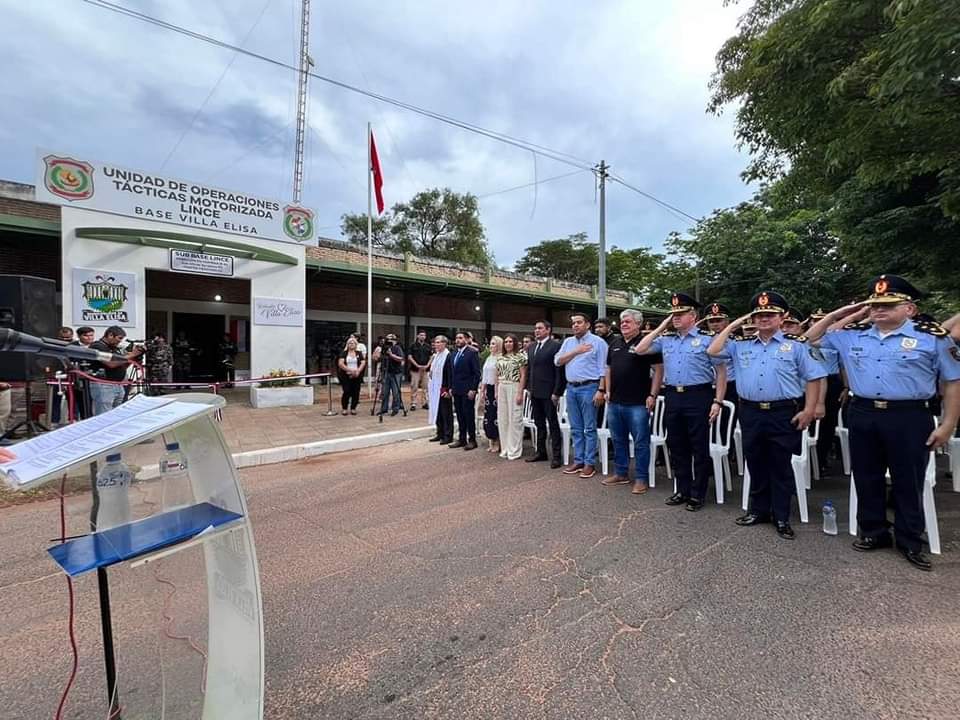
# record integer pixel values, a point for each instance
(412, 582)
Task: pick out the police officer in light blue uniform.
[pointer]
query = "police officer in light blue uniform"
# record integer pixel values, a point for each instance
(692, 402)
(779, 385)
(831, 403)
(893, 365)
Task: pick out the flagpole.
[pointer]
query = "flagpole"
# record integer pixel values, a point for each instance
(369, 263)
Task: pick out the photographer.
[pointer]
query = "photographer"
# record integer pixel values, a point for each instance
(391, 353)
(107, 395)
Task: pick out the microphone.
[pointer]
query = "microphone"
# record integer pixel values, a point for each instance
(14, 341)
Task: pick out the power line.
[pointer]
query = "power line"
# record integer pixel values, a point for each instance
(543, 151)
(537, 182)
(216, 85)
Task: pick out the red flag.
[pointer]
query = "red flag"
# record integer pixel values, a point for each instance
(377, 175)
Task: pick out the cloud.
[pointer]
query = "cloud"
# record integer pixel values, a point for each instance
(621, 81)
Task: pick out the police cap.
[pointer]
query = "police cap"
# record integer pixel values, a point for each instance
(681, 303)
(768, 301)
(891, 289)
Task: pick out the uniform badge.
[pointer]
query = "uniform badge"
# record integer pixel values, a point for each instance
(955, 353)
(786, 347)
(817, 354)
(695, 342)
(908, 343)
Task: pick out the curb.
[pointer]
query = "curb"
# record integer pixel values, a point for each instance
(287, 453)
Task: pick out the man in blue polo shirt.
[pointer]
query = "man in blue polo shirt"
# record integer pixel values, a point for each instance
(583, 356)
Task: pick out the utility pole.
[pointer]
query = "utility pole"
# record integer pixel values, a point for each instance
(302, 92)
(601, 171)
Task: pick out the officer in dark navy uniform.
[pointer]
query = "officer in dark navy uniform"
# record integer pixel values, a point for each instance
(692, 403)
(779, 385)
(893, 365)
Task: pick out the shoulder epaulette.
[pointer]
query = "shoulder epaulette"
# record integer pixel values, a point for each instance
(668, 333)
(857, 326)
(708, 333)
(796, 338)
(931, 328)
(741, 338)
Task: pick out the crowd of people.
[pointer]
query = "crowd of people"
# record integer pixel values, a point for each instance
(895, 371)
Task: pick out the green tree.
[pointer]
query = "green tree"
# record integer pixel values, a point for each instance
(573, 258)
(855, 107)
(435, 223)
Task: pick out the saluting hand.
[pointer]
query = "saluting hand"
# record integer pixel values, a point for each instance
(584, 348)
(851, 309)
(740, 320)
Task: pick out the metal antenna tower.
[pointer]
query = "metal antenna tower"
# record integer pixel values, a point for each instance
(306, 62)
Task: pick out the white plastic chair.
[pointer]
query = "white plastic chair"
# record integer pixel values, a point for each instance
(843, 434)
(952, 449)
(929, 507)
(720, 435)
(603, 442)
(738, 445)
(565, 432)
(527, 418)
(658, 439)
(812, 436)
(801, 473)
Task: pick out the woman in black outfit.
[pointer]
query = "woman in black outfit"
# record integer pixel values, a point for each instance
(351, 365)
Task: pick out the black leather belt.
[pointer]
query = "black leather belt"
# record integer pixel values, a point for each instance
(867, 404)
(581, 383)
(771, 404)
(687, 388)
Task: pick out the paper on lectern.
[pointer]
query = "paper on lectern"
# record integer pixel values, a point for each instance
(54, 452)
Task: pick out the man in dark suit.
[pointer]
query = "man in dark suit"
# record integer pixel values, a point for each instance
(546, 383)
(441, 369)
(466, 379)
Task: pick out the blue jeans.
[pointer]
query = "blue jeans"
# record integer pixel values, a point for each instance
(583, 422)
(105, 397)
(624, 422)
(391, 386)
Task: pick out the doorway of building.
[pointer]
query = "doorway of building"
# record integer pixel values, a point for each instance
(195, 346)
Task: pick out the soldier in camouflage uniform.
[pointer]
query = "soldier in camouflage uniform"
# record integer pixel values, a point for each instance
(159, 361)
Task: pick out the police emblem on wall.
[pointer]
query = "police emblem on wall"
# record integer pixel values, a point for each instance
(103, 298)
(298, 223)
(68, 178)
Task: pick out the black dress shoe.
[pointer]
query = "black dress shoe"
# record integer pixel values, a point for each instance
(752, 518)
(872, 543)
(436, 439)
(554, 464)
(457, 444)
(785, 531)
(917, 559)
(472, 445)
(537, 458)
(676, 499)
(694, 505)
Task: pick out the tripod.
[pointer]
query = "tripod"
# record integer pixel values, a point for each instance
(378, 388)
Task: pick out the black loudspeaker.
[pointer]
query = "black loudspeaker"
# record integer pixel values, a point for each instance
(28, 304)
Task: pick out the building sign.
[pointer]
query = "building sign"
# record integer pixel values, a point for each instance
(199, 263)
(278, 311)
(104, 298)
(64, 180)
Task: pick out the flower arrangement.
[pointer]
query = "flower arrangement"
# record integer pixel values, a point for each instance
(284, 378)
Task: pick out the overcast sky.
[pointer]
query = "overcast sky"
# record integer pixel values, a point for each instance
(621, 81)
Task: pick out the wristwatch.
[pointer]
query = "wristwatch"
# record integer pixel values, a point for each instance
(717, 402)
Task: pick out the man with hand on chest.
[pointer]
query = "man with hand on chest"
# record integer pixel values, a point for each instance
(778, 380)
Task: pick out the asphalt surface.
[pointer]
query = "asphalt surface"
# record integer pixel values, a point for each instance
(418, 582)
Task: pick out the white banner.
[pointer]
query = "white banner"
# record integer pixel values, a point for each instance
(102, 298)
(201, 263)
(278, 311)
(64, 180)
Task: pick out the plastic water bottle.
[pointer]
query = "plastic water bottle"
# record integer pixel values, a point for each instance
(113, 489)
(829, 518)
(175, 488)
